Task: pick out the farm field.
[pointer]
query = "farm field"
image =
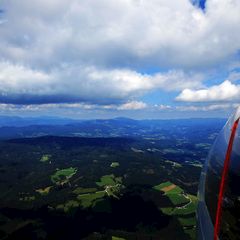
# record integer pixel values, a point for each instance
(114, 164)
(62, 175)
(183, 206)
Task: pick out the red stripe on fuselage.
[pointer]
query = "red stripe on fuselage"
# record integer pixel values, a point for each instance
(223, 181)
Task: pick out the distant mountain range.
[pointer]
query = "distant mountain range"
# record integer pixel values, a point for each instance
(17, 121)
(18, 127)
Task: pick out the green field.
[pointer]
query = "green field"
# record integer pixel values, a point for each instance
(185, 216)
(177, 199)
(175, 190)
(45, 158)
(188, 221)
(83, 200)
(106, 180)
(162, 185)
(174, 193)
(63, 174)
(189, 209)
(184, 206)
(81, 190)
(114, 164)
(68, 205)
(44, 191)
(117, 238)
(89, 199)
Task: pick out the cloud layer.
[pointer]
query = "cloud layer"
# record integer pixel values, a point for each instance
(21, 85)
(113, 52)
(226, 91)
(121, 34)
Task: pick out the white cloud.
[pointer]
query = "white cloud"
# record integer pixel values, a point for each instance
(120, 33)
(4, 106)
(81, 109)
(163, 107)
(134, 105)
(14, 77)
(211, 107)
(226, 91)
(19, 84)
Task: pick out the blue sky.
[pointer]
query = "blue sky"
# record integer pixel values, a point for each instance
(132, 58)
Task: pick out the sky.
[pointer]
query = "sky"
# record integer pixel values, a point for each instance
(130, 58)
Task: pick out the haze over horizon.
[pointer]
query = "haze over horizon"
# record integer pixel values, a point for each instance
(130, 58)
